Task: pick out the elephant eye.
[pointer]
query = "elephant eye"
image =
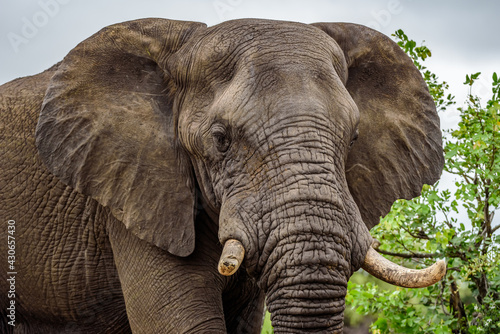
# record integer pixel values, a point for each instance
(354, 138)
(220, 138)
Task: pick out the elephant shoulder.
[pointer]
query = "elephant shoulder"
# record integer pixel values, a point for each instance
(20, 103)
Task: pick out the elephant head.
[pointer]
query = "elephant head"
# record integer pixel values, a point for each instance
(296, 137)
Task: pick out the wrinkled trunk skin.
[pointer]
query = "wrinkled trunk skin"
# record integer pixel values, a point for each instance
(306, 260)
(309, 246)
(307, 297)
(306, 282)
(312, 225)
(300, 227)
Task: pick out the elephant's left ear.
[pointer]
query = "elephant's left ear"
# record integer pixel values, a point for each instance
(107, 129)
(399, 146)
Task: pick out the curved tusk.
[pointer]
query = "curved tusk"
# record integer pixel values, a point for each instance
(231, 257)
(387, 271)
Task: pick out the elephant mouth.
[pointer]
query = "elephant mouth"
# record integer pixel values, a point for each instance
(374, 263)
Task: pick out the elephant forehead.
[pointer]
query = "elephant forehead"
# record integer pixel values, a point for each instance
(265, 44)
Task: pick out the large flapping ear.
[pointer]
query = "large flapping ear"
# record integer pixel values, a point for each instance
(400, 146)
(106, 129)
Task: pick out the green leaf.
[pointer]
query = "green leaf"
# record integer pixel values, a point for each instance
(381, 324)
(467, 80)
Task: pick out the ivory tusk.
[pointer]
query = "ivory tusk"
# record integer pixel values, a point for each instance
(387, 271)
(231, 257)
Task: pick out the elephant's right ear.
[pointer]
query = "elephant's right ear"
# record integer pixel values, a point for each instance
(107, 129)
(399, 147)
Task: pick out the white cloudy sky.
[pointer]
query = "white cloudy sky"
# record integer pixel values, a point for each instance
(463, 35)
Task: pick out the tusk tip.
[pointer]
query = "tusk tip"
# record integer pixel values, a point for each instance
(394, 274)
(231, 257)
(436, 272)
(440, 269)
(227, 267)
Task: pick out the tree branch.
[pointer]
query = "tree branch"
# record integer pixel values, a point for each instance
(421, 234)
(494, 229)
(466, 177)
(458, 254)
(440, 298)
(410, 256)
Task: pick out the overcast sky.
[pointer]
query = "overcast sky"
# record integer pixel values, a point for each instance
(462, 35)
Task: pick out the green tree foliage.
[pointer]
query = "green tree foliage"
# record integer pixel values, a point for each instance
(417, 232)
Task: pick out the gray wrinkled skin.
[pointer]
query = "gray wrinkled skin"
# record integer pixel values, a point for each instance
(129, 164)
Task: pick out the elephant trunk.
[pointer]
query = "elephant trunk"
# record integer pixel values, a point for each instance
(306, 289)
(302, 240)
(304, 263)
(315, 312)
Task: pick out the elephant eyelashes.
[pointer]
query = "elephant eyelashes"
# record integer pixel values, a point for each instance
(221, 138)
(354, 138)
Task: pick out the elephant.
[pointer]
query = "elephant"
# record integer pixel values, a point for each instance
(170, 177)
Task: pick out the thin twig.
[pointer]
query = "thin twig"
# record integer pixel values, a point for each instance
(410, 256)
(416, 236)
(494, 229)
